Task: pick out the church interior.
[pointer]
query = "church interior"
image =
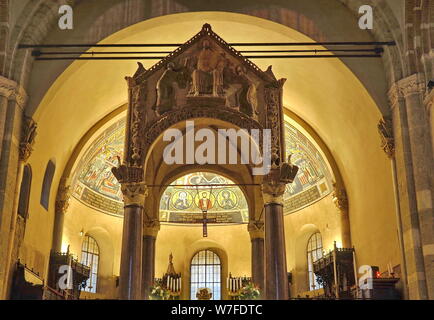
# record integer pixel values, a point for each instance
(91, 209)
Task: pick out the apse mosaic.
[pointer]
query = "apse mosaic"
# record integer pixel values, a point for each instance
(187, 197)
(93, 182)
(313, 180)
(95, 186)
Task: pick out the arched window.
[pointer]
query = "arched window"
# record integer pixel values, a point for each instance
(314, 252)
(205, 272)
(90, 258)
(26, 182)
(46, 184)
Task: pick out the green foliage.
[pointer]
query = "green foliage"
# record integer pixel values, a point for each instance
(249, 292)
(159, 293)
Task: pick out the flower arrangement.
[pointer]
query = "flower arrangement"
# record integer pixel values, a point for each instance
(249, 292)
(159, 293)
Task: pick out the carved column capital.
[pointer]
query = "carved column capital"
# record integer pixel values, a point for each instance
(151, 227)
(134, 193)
(412, 84)
(62, 197)
(7, 87)
(385, 129)
(28, 134)
(256, 229)
(13, 91)
(272, 192)
(128, 174)
(340, 199)
(405, 87)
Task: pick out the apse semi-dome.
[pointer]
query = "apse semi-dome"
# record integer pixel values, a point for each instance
(95, 186)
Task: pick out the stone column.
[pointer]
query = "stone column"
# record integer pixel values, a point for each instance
(150, 231)
(132, 236)
(276, 274)
(17, 227)
(385, 128)
(12, 101)
(61, 206)
(256, 231)
(414, 169)
(340, 199)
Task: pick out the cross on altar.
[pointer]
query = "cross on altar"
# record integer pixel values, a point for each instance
(205, 222)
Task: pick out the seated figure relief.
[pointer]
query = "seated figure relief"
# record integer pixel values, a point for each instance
(173, 78)
(209, 74)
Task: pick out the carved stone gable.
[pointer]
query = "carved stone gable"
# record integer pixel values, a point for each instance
(205, 77)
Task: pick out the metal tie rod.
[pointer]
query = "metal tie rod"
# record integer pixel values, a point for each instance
(237, 44)
(250, 57)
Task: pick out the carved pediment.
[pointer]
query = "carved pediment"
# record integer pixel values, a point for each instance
(203, 73)
(203, 70)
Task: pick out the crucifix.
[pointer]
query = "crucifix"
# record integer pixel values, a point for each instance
(205, 204)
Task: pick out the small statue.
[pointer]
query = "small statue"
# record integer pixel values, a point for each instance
(166, 90)
(207, 77)
(242, 92)
(288, 171)
(171, 80)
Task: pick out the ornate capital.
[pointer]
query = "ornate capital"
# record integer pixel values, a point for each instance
(412, 84)
(256, 229)
(127, 174)
(12, 91)
(134, 193)
(150, 227)
(385, 128)
(28, 134)
(272, 192)
(62, 197)
(406, 87)
(340, 199)
(7, 87)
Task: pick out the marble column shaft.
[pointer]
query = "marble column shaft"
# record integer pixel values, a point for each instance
(131, 256)
(276, 274)
(258, 262)
(148, 261)
(12, 101)
(256, 231)
(414, 169)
